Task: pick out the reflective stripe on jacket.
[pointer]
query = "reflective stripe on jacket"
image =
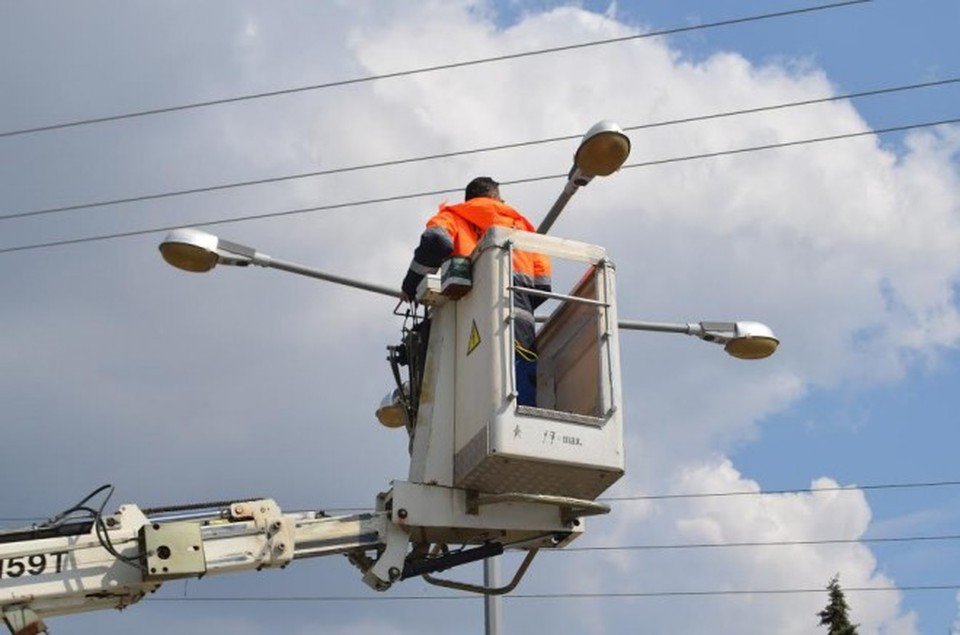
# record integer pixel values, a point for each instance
(455, 230)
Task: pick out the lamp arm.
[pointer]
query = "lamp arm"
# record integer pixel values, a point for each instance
(661, 327)
(569, 190)
(264, 260)
(743, 340)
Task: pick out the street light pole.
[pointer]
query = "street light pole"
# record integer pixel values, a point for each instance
(492, 615)
(601, 153)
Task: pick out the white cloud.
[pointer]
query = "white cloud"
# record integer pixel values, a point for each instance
(956, 623)
(770, 518)
(819, 241)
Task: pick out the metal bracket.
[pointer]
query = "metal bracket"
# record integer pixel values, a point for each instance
(172, 550)
(424, 566)
(389, 566)
(475, 588)
(267, 516)
(570, 508)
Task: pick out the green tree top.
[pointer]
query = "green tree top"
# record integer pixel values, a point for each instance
(836, 614)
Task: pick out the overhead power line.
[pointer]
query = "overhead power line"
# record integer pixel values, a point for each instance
(804, 490)
(726, 545)
(470, 151)
(692, 546)
(773, 492)
(552, 596)
(762, 543)
(766, 492)
(402, 197)
(430, 69)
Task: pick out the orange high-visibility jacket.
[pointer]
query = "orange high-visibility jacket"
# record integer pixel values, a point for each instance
(455, 230)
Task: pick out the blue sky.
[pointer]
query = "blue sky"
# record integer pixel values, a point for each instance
(902, 431)
(899, 432)
(849, 250)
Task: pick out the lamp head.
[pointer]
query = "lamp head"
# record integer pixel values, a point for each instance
(743, 340)
(752, 340)
(602, 150)
(197, 251)
(391, 412)
(190, 249)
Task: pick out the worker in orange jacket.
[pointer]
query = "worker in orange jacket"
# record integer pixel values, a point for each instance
(455, 230)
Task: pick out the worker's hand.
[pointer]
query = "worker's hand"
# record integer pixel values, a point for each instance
(405, 297)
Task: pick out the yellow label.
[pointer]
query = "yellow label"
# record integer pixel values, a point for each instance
(474, 340)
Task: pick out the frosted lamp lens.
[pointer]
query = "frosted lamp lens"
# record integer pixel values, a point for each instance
(603, 153)
(752, 347)
(188, 257)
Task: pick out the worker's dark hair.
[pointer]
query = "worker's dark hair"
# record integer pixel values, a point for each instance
(482, 186)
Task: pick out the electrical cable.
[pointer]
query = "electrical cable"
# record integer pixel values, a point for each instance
(103, 537)
(63, 516)
(429, 69)
(460, 153)
(100, 527)
(402, 197)
(746, 544)
(551, 596)
(664, 547)
(773, 492)
(805, 490)
(800, 490)
(761, 543)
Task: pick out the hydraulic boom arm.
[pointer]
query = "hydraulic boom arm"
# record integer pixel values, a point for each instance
(84, 560)
(113, 561)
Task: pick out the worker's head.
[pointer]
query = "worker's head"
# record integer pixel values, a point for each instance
(482, 186)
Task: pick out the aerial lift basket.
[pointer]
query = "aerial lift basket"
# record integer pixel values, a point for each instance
(571, 443)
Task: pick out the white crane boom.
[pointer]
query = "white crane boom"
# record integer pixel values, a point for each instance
(113, 561)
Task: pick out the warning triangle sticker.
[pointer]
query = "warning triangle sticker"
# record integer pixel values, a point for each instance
(474, 340)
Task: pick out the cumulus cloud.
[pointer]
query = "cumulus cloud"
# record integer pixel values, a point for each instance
(770, 518)
(956, 623)
(819, 241)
